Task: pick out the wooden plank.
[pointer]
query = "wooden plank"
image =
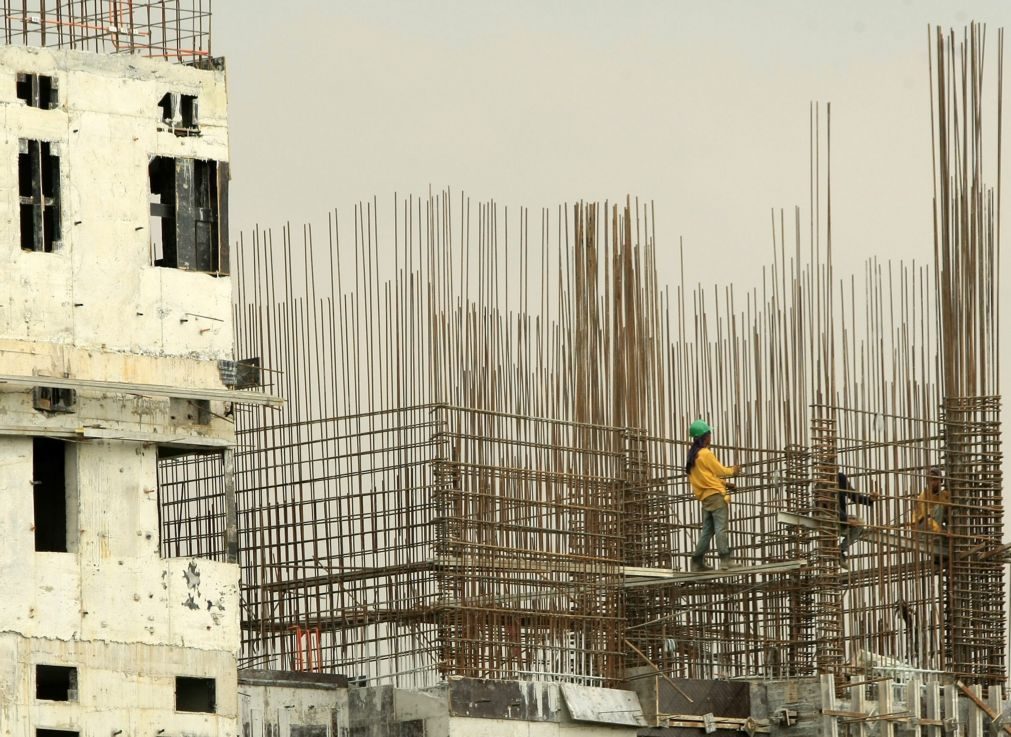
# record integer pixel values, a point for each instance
(654, 576)
(900, 542)
(982, 708)
(693, 721)
(870, 534)
(796, 520)
(698, 723)
(846, 713)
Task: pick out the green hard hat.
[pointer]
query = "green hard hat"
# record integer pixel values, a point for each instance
(699, 428)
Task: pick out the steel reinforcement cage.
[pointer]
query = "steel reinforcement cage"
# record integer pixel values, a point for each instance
(174, 30)
(479, 468)
(411, 545)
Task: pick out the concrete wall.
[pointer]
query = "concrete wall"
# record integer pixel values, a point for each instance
(129, 417)
(115, 588)
(281, 704)
(98, 309)
(127, 619)
(385, 711)
(100, 289)
(120, 687)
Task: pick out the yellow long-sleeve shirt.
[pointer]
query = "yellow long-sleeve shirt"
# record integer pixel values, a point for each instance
(932, 510)
(707, 475)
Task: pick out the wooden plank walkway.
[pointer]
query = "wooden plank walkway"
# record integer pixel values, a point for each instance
(635, 577)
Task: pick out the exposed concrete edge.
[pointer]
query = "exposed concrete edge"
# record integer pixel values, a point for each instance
(150, 390)
(291, 679)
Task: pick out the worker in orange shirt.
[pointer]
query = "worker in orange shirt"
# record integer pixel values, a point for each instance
(930, 514)
(931, 511)
(708, 479)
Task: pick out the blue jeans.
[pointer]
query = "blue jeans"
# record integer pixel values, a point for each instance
(715, 514)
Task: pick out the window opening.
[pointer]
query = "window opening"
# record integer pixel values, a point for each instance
(49, 466)
(244, 374)
(189, 214)
(54, 399)
(56, 733)
(39, 195)
(37, 90)
(180, 113)
(195, 694)
(56, 682)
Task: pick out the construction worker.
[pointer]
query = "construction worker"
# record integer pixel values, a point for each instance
(930, 514)
(707, 477)
(931, 511)
(851, 527)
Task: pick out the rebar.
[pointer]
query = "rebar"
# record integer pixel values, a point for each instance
(482, 434)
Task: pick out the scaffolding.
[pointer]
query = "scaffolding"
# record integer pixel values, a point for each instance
(174, 30)
(479, 471)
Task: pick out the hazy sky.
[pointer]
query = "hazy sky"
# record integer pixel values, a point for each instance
(701, 107)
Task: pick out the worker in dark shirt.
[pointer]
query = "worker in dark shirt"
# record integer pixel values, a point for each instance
(851, 527)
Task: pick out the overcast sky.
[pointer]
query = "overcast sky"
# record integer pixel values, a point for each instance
(701, 107)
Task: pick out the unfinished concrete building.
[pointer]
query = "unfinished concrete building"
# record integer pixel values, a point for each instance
(469, 516)
(115, 313)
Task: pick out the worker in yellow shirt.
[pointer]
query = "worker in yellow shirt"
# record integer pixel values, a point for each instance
(708, 479)
(930, 514)
(931, 511)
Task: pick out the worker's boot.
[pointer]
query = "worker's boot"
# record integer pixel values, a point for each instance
(697, 566)
(728, 563)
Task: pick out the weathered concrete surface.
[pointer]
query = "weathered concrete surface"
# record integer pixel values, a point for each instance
(145, 419)
(100, 290)
(292, 704)
(474, 708)
(127, 687)
(96, 308)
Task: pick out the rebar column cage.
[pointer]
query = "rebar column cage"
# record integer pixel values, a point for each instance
(976, 576)
(432, 541)
(825, 554)
(174, 30)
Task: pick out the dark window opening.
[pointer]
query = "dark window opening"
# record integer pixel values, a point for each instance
(54, 399)
(56, 683)
(181, 113)
(39, 196)
(189, 206)
(244, 374)
(50, 486)
(55, 733)
(195, 694)
(38, 90)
